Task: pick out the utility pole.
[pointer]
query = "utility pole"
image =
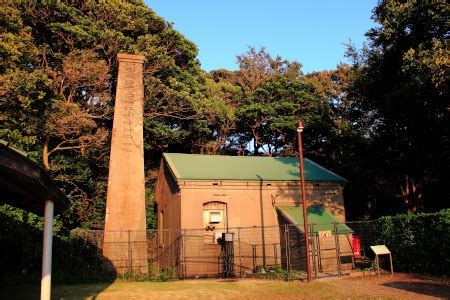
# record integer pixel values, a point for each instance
(302, 183)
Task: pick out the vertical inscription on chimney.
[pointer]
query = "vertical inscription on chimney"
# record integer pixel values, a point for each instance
(128, 101)
(124, 241)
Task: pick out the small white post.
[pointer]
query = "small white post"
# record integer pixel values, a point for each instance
(46, 279)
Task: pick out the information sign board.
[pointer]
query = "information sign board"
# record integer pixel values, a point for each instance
(380, 249)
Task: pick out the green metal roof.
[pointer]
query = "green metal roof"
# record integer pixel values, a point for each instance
(321, 219)
(249, 168)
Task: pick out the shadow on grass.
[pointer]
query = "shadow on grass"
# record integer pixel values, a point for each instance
(81, 291)
(20, 292)
(76, 260)
(440, 290)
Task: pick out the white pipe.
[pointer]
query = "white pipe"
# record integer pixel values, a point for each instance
(46, 279)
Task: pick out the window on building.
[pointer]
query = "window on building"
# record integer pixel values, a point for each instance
(214, 221)
(215, 217)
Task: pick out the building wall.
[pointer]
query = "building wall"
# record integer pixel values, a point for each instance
(253, 203)
(249, 206)
(168, 202)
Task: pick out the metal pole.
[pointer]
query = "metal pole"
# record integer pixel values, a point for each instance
(392, 267)
(314, 252)
(254, 257)
(240, 253)
(275, 254)
(263, 235)
(288, 255)
(183, 254)
(46, 279)
(338, 248)
(378, 264)
(129, 254)
(302, 183)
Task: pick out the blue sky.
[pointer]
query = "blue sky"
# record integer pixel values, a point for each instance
(311, 32)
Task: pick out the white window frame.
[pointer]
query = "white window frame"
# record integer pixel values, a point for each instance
(215, 217)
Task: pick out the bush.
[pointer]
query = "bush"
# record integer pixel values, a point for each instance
(21, 248)
(76, 259)
(419, 243)
(155, 273)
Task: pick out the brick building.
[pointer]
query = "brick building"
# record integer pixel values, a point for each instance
(199, 197)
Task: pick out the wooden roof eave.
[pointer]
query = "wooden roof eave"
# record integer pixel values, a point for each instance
(26, 185)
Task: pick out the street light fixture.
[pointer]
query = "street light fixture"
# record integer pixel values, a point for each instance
(302, 183)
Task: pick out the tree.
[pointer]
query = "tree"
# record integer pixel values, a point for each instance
(333, 86)
(275, 96)
(402, 91)
(267, 118)
(256, 66)
(58, 69)
(81, 88)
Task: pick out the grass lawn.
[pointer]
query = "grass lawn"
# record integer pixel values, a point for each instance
(401, 286)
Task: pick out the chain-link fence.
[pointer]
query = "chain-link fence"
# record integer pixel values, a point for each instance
(274, 252)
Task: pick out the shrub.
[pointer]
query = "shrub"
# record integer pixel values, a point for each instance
(155, 273)
(76, 259)
(419, 243)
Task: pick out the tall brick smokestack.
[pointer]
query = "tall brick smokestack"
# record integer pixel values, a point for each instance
(124, 241)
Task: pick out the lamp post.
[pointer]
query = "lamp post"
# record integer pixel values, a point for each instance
(302, 184)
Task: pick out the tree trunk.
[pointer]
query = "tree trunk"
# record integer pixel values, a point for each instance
(45, 154)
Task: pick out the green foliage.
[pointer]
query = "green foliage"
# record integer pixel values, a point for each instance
(57, 80)
(155, 273)
(399, 100)
(419, 243)
(276, 272)
(76, 259)
(377, 122)
(11, 213)
(20, 240)
(150, 209)
(262, 102)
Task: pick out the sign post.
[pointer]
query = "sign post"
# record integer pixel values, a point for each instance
(382, 250)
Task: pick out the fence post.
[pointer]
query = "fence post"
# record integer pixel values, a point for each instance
(275, 254)
(288, 258)
(240, 253)
(313, 251)
(129, 253)
(184, 254)
(338, 251)
(254, 257)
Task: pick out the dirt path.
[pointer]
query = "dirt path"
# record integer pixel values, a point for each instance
(399, 286)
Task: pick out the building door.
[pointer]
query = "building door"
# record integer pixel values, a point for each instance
(214, 221)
